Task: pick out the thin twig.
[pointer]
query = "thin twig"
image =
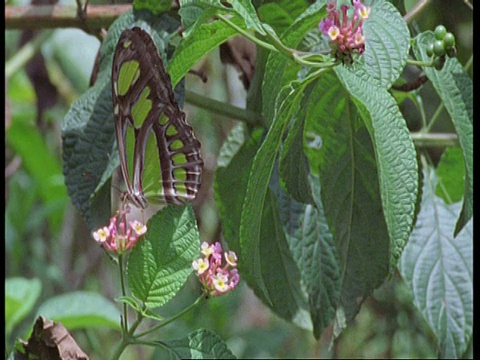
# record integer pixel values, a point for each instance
(430, 140)
(415, 10)
(62, 16)
(468, 4)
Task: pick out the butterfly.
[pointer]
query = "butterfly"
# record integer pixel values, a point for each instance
(160, 157)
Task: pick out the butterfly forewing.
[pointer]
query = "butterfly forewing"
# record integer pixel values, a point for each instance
(160, 160)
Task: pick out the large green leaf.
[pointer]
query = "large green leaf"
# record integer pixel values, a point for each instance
(200, 344)
(81, 310)
(387, 42)
(235, 159)
(20, 297)
(394, 154)
(259, 178)
(313, 249)
(439, 270)
(159, 266)
(88, 149)
(246, 10)
(277, 268)
(194, 13)
(350, 190)
(154, 6)
(455, 88)
(294, 166)
(281, 14)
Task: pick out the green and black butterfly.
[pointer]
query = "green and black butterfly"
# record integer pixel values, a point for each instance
(159, 154)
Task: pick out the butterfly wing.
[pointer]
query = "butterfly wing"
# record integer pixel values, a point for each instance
(159, 154)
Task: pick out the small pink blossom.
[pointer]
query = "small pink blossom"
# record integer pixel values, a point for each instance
(231, 258)
(200, 265)
(217, 277)
(118, 237)
(344, 28)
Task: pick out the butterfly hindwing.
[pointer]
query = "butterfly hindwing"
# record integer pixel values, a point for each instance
(160, 159)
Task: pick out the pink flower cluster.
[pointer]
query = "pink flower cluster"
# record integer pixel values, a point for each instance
(119, 236)
(345, 34)
(216, 279)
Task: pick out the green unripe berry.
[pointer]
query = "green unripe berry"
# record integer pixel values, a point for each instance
(438, 48)
(440, 32)
(439, 62)
(449, 40)
(430, 50)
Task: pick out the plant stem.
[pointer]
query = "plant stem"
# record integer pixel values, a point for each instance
(425, 140)
(419, 62)
(221, 108)
(173, 318)
(435, 117)
(248, 35)
(124, 293)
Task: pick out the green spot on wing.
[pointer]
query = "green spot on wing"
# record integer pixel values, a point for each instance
(179, 159)
(176, 145)
(142, 107)
(180, 174)
(181, 189)
(128, 74)
(163, 120)
(171, 130)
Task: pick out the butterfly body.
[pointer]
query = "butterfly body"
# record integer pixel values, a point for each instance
(159, 155)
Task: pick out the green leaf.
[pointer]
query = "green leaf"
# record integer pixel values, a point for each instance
(313, 249)
(156, 7)
(235, 158)
(451, 173)
(20, 297)
(246, 10)
(194, 13)
(275, 16)
(387, 42)
(277, 269)
(281, 14)
(455, 88)
(345, 158)
(439, 270)
(191, 49)
(200, 344)
(394, 154)
(294, 166)
(262, 167)
(88, 148)
(159, 266)
(81, 310)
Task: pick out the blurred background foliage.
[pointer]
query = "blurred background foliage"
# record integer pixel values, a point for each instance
(46, 239)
